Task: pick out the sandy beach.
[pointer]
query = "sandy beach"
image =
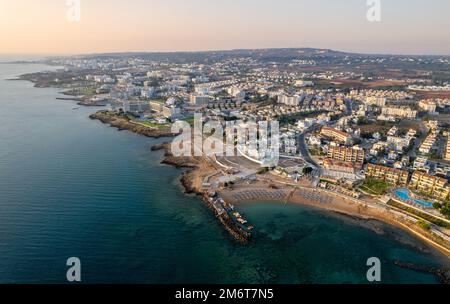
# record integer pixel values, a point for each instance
(264, 191)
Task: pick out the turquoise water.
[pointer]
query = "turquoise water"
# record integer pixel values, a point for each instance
(404, 194)
(70, 186)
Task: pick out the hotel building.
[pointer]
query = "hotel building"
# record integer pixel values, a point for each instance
(433, 185)
(337, 135)
(354, 154)
(389, 175)
(340, 166)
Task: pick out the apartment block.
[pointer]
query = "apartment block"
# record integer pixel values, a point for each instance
(354, 154)
(390, 175)
(447, 149)
(404, 112)
(433, 185)
(337, 135)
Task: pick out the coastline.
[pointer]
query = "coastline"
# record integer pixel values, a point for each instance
(346, 207)
(122, 123)
(199, 167)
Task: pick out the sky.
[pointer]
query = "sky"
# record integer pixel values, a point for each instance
(43, 26)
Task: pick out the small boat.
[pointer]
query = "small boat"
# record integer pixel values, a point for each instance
(76, 108)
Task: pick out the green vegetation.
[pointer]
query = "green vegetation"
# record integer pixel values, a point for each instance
(424, 225)
(307, 170)
(263, 170)
(189, 120)
(315, 151)
(444, 208)
(375, 186)
(153, 124)
(420, 214)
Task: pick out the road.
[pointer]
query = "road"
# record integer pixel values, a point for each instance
(418, 141)
(303, 147)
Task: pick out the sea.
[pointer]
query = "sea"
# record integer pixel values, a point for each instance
(73, 187)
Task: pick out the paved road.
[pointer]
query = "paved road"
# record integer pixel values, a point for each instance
(418, 141)
(349, 105)
(303, 147)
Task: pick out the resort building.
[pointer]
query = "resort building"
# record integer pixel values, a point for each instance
(389, 175)
(354, 154)
(337, 135)
(433, 185)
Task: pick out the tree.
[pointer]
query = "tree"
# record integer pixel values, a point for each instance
(424, 225)
(307, 170)
(445, 209)
(437, 206)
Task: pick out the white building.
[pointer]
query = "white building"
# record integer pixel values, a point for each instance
(376, 101)
(198, 100)
(289, 100)
(428, 105)
(404, 112)
(304, 83)
(171, 112)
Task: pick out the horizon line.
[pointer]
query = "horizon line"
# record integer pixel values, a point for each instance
(217, 50)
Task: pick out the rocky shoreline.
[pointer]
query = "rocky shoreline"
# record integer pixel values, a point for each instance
(123, 123)
(190, 186)
(42, 80)
(194, 166)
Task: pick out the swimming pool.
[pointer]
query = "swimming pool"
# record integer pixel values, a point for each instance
(404, 194)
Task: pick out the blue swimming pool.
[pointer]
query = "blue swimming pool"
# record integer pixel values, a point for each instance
(404, 194)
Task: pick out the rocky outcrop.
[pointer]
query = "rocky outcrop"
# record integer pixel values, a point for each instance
(123, 123)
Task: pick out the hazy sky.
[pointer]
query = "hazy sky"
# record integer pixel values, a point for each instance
(41, 26)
